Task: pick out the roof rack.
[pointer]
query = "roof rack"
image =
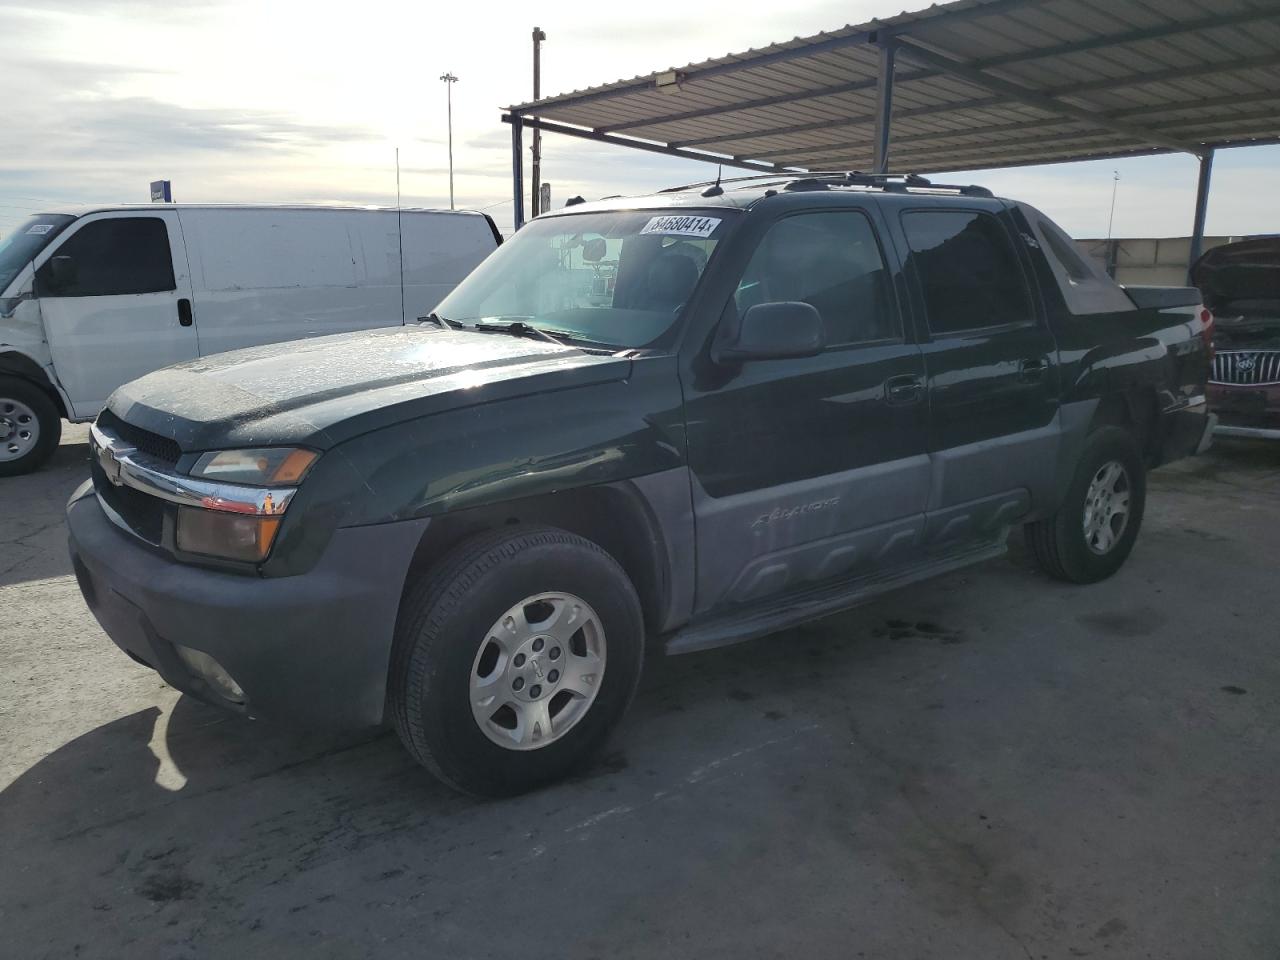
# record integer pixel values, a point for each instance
(889, 182)
(825, 180)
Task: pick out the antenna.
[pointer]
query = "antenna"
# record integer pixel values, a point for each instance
(715, 189)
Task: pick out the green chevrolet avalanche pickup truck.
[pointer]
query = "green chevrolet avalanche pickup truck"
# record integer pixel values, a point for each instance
(661, 423)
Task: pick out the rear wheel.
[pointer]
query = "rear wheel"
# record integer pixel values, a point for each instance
(515, 657)
(1094, 530)
(30, 427)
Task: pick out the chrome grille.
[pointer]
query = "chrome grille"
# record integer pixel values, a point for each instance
(152, 444)
(1246, 367)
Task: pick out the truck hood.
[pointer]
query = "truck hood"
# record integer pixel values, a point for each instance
(323, 391)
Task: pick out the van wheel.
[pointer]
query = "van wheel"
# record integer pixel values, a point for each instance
(30, 427)
(514, 659)
(1090, 536)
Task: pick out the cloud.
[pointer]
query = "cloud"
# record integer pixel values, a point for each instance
(302, 100)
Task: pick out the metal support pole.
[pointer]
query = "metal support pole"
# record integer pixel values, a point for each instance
(884, 104)
(1202, 207)
(449, 80)
(535, 194)
(517, 168)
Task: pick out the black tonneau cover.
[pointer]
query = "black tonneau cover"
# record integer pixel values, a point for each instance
(1159, 298)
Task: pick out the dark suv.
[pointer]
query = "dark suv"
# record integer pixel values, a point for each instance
(670, 422)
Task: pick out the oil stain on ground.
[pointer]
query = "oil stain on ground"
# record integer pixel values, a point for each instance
(919, 630)
(1126, 623)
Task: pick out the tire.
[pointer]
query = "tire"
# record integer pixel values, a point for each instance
(1061, 545)
(30, 427)
(449, 639)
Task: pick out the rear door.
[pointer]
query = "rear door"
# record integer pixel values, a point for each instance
(809, 469)
(123, 306)
(992, 372)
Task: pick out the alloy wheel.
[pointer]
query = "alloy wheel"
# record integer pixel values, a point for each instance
(538, 671)
(1106, 507)
(19, 429)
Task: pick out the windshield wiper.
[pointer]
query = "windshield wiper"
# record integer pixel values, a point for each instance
(517, 327)
(443, 322)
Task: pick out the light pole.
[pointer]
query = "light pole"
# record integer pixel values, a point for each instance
(1115, 183)
(536, 198)
(449, 80)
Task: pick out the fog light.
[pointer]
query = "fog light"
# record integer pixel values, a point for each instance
(211, 672)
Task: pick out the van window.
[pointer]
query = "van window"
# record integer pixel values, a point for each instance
(968, 270)
(30, 237)
(831, 261)
(114, 257)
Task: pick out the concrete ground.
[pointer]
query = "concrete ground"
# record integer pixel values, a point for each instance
(992, 766)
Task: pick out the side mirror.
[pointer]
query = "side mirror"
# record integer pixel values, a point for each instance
(59, 274)
(771, 331)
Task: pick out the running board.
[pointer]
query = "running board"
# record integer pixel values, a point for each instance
(764, 618)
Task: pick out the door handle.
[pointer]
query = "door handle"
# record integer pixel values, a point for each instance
(1032, 368)
(184, 312)
(904, 389)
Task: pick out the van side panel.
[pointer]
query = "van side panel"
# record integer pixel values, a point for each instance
(263, 276)
(440, 249)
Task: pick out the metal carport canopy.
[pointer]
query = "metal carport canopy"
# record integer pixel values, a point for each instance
(975, 84)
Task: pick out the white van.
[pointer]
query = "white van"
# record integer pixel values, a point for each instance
(94, 299)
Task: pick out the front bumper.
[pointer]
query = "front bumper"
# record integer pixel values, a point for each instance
(311, 650)
(1246, 411)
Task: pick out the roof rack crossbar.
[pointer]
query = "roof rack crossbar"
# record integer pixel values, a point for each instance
(824, 179)
(901, 183)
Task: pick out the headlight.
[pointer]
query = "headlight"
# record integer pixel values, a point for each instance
(267, 466)
(245, 494)
(232, 536)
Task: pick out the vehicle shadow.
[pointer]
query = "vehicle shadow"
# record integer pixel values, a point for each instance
(152, 762)
(218, 821)
(143, 763)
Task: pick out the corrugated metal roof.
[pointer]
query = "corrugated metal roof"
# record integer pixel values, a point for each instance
(978, 84)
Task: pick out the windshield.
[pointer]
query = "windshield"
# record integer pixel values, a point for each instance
(30, 237)
(618, 278)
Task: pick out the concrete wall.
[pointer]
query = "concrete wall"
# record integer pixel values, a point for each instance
(1156, 262)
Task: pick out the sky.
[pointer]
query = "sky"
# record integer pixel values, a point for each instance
(282, 100)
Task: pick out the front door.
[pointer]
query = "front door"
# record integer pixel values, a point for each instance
(992, 369)
(806, 470)
(115, 298)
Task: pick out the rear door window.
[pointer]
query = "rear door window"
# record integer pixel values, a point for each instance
(968, 271)
(114, 257)
(831, 261)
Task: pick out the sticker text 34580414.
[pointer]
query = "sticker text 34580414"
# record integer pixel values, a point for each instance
(682, 226)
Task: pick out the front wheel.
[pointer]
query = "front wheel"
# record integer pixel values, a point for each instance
(30, 427)
(514, 659)
(1090, 536)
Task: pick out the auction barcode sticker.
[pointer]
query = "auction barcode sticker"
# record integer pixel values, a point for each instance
(40, 229)
(682, 226)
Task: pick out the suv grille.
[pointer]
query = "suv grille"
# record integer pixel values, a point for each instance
(1247, 367)
(142, 514)
(152, 444)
